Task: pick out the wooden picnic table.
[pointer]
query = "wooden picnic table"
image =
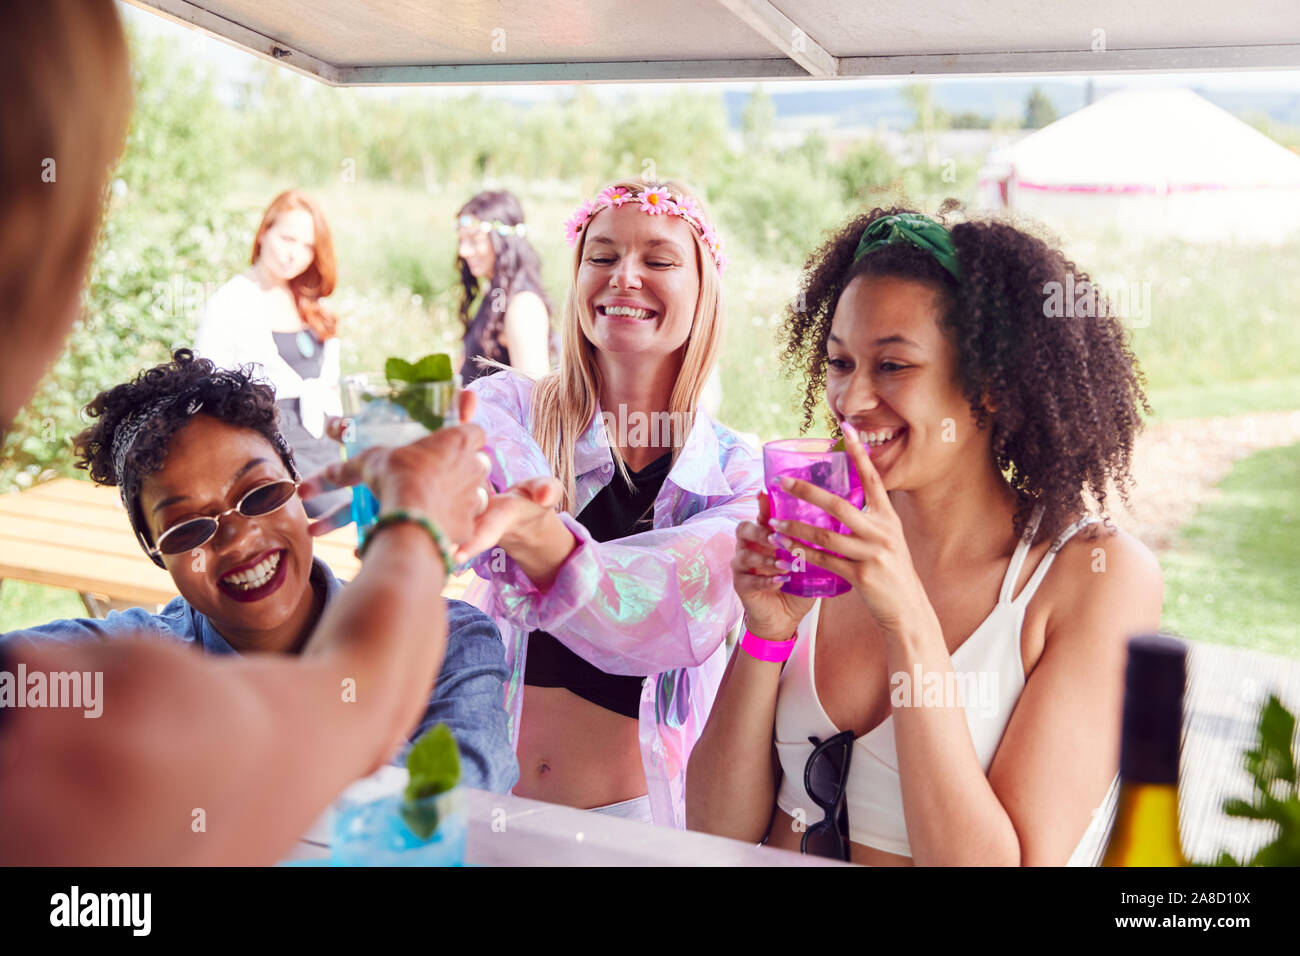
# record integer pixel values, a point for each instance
(74, 534)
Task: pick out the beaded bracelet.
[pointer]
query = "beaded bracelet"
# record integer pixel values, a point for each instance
(389, 518)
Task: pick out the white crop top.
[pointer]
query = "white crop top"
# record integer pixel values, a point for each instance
(988, 663)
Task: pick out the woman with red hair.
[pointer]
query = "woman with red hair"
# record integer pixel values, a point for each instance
(272, 315)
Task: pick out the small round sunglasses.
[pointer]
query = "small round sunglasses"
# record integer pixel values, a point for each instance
(196, 532)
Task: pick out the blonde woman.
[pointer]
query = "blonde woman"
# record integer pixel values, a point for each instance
(612, 581)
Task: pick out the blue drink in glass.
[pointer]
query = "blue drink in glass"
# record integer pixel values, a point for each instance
(376, 832)
(375, 418)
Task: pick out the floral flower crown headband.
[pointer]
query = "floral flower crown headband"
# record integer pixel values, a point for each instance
(654, 201)
(493, 225)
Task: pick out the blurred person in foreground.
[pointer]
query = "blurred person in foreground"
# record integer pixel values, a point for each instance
(261, 743)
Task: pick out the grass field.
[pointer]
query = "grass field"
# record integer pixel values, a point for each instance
(1233, 576)
(27, 605)
(1227, 398)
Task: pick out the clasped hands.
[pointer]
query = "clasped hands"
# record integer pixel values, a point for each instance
(444, 475)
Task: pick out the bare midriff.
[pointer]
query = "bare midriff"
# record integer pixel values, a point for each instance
(576, 753)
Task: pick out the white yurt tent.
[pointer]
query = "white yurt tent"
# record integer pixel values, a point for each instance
(1156, 162)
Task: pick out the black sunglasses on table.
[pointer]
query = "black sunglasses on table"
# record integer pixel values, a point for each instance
(826, 777)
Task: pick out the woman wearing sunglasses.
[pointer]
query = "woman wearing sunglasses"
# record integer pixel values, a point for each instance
(273, 315)
(503, 305)
(211, 490)
(960, 704)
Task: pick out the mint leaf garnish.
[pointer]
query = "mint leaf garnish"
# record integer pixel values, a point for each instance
(399, 370)
(433, 368)
(422, 818)
(413, 401)
(408, 380)
(433, 763)
(434, 768)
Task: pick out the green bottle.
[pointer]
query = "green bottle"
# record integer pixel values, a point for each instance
(1146, 818)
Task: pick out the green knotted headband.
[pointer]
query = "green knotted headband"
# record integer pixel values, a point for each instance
(916, 230)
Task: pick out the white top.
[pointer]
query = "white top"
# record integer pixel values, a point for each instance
(234, 331)
(989, 679)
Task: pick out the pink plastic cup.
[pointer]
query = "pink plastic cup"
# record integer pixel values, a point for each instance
(811, 460)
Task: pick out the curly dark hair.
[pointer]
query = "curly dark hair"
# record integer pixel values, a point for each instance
(1067, 389)
(233, 396)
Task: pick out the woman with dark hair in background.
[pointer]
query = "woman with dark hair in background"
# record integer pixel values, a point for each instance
(272, 315)
(499, 269)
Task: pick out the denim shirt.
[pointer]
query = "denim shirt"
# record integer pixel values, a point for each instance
(466, 697)
(657, 604)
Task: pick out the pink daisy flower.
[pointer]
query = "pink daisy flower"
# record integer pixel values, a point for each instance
(573, 225)
(615, 195)
(688, 207)
(656, 201)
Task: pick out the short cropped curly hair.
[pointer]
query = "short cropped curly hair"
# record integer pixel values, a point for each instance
(1068, 390)
(232, 396)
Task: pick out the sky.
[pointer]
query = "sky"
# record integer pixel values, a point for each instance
(233, 66)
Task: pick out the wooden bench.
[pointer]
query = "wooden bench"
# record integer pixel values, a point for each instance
(73, 534)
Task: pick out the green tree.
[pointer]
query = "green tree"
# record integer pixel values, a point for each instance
(757, 120)
(866, 173)
(680, 136)
(928, 118)
(1039, 110)
(165, 244)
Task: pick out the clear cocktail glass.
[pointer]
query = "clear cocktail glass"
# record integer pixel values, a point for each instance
(378, 412)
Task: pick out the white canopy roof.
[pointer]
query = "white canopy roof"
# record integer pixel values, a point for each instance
(1159, 138)
(380, 42)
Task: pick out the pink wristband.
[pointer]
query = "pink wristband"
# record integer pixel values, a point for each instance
(763, 650)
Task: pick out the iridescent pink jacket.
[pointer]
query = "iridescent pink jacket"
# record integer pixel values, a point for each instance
(659, 603)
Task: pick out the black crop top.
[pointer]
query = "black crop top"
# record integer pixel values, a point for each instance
(615, 512)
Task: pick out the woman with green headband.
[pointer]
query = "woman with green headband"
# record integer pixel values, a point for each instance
(960, 704)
